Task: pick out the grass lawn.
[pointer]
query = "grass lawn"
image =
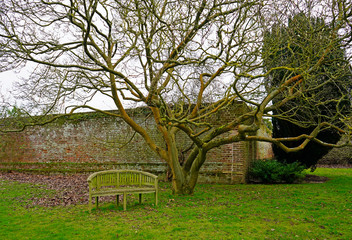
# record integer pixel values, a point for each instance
(298, 211)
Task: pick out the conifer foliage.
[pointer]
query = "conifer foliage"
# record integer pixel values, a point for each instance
(308, 47)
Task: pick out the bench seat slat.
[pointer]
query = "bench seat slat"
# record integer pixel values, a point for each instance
(122, 190)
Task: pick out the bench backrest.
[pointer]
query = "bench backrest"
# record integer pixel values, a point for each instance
(119, 178)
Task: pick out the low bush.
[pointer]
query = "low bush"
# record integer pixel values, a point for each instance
(272, 171)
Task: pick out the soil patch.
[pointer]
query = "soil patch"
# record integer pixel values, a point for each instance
(69, 189)
(315, 179)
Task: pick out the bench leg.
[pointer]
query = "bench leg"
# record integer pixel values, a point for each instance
(156, 198)
(124, 201)
(90, 203)
(140, 198)
(117, 200)
(97, 202)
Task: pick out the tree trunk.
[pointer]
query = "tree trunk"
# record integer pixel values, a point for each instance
(184, 184)
(185, 180)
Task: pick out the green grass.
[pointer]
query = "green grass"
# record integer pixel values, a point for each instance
(298, 211)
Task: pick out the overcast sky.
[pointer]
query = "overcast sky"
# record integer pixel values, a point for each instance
(6, 81)
(8, 78)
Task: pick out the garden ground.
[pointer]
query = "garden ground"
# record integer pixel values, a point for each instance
(55, 207)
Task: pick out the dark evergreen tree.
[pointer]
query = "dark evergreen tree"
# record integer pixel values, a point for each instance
(307, 47)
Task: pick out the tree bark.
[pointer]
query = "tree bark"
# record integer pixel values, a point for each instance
(184, 181)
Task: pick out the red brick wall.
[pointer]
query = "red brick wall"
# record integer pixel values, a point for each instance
(105, 140)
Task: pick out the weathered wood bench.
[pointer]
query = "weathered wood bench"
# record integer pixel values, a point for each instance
(117, 182)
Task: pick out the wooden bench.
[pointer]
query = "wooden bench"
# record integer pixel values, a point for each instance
(117, 182)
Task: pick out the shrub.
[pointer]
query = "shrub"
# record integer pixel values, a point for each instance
(272, 171)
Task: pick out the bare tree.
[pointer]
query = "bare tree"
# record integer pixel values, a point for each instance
(184, 60)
